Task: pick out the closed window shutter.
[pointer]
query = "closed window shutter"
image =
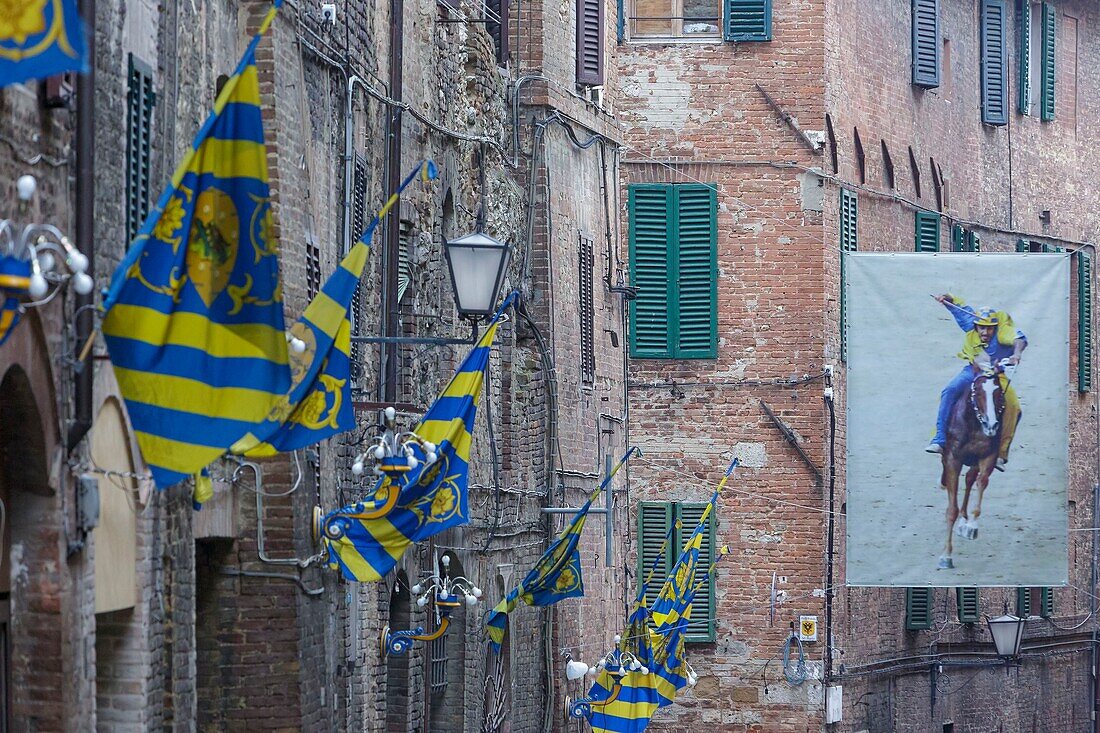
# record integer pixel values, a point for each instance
(926, 43)
(1048, 75)
(1084, 321)
(963, 240)
(589, 42)
(1023, 602)
(972, 243)
(650, 251)
(497, 26)
(849, 229)
(139, 150)
(967, 604)
(701, 626)
(1046, 602)
(1023, 100)
(585, 265)
(748, 20)
(918, 608)
(696, 282)
(994, 63)
(654, 520)
(927, 231)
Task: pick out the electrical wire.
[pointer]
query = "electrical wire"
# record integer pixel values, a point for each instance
(795, 674)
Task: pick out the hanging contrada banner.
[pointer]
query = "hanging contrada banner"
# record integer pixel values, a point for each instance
(957, 437)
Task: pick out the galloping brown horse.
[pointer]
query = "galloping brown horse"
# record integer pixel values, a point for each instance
(973, 440)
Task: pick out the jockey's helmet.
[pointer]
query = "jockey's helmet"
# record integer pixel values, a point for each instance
(986, 317)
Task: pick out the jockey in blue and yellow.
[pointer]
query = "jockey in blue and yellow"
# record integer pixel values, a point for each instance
(990, 338)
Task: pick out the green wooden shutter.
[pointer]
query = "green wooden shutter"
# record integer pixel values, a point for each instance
(1022, 245)
(1023, 602)
(926, 43)
(958, 235)
(1084, 321)
(654, 520)
(967, 603)
(1048, 70)
(701, 627)
(1046, 602)
(696, 282)
(1023, 99)
(849, 240)
(139, 150)
(748, 20)
(649, 207)
(918, 608)
(927, 231)
(994, 63)
(972, 243)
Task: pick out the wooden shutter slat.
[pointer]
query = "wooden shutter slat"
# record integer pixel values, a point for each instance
(927, 231)
(747, 20)
(994, 66)
(1048, 69)
(590, 42)
(654, 521)
(649, 208)
(701, 625)
(696, 242)
(918, 608)
(926, 43)
(1084, 321)
(967, 605)
(1023, 100)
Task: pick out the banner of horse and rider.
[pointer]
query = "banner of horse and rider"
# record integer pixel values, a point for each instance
(957, 396)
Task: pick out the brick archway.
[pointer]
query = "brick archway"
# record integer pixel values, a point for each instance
(30, 573)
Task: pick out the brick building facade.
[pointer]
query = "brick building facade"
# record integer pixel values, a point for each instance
(169, 619)
(804, 100)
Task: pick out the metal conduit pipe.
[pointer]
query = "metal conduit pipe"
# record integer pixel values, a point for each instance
(259, 491)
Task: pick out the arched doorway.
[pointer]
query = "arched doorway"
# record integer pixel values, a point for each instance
(397, 665)
(31, 675)
(447, 662)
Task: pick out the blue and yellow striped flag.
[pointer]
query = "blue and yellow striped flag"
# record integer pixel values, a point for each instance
(194, 316)
(15, 281)
(40, 38)
(318, 404)
(673, 599)
(555, 576)
(622, 700)
(365, 544)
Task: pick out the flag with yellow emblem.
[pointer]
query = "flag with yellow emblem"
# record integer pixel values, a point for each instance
(318, 404)
(555, 576)
(15, 281)
(194, 315)
(366, 539)
(40, 38)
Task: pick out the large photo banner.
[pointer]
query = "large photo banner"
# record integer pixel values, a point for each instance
(957, 432)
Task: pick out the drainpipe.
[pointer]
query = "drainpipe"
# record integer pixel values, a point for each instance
(393, 229)
(85, 222)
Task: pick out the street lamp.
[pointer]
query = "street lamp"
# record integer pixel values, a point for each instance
(1007, 632)
(477, 263)
(448, 594)
(31, 257)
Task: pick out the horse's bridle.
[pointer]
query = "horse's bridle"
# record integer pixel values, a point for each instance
(974, 402)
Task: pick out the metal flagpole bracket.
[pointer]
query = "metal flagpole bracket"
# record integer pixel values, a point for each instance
(608, 512)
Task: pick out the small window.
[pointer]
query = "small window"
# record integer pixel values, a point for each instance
(139, 149)
(926, 43)
(861, 158)
(655, 521)
(927, 231)
(1023, 602)
(313, 265)
(887, 166)
(673, 265)
(676, 19)
(497, 26)
(918, 608)
(914, 170)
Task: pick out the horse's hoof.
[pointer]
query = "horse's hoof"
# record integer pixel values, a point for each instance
(946, 564)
